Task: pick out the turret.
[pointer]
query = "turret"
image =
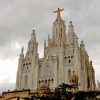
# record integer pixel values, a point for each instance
(71, 29)
(32, 44)
(72, 38)
(83, 51)
(82, 47)
(21, 58)
(19, 71)
(33, 36)
(91, 62)
(82, 44)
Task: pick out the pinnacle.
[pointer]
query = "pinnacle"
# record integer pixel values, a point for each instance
(70, 23)
(33, 31)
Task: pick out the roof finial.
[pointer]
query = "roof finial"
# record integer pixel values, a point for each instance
(33, 31)
(58, 12)
(70, 23)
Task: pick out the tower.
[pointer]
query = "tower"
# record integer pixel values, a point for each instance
(28, 66)
(59, 30)
(58, 47)
(72, 52)
(19, 71)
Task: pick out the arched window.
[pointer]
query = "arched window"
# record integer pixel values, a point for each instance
(45, 81)
(69, 61)
(49, 82)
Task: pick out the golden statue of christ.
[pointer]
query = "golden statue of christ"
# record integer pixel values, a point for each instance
(58, 12)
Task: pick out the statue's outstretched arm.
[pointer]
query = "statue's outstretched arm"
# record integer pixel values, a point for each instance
(61, 9)
(55, 11)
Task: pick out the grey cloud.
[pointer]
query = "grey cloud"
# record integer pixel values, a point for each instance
(19, 17)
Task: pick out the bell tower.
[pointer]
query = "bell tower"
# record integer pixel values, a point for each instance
(27, 74)
(59, 42)
(59, 30)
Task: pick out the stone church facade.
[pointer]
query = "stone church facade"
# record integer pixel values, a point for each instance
(62, 56)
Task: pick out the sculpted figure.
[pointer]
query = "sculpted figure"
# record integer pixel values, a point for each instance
(58, 12)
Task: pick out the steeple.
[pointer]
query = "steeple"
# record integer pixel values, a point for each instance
(59, 30)
(22, 53)
(21, 58)
(82, 47)
(82, 43)
(32, 44)
(91, 62)
(19, 71)
(33, 36)
(71, 28)
(72, 38)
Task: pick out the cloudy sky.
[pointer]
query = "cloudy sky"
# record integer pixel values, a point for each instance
(19, 17)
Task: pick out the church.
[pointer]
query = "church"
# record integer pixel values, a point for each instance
(63, 56)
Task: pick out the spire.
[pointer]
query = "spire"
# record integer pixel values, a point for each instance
(44, 43)
(33, 35)
(82, 46)
(82, 43)
(91, 62)
(33, 31)
(70, 23)
(71, 27)
(72, 38)
(58, 12)
(32, 44)
(58, 30)
(22, 53)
